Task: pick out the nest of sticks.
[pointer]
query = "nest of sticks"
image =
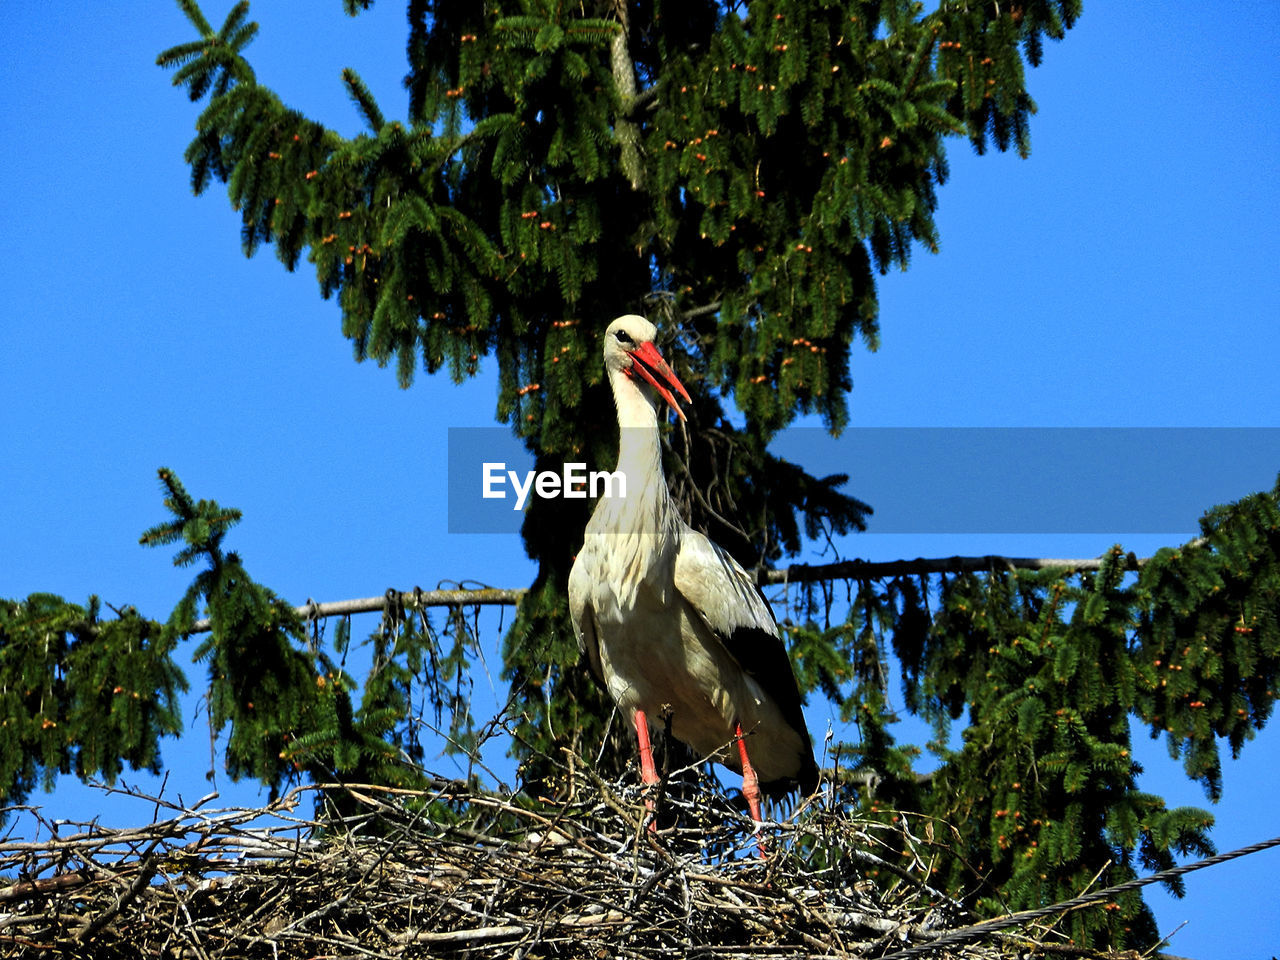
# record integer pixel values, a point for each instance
(453, 870)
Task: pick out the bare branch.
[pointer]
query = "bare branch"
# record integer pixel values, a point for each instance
(796, 573)
(413, 599)
(701, 311)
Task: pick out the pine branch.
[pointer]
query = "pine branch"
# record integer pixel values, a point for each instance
(363, 99)
(796, 573)
(982, 931)
(197, 18)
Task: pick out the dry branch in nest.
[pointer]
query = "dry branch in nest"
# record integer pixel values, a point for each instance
(456, 871)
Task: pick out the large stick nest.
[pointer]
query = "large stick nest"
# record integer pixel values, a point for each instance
(454, 870)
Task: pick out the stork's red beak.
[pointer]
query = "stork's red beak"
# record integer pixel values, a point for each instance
(648, 362)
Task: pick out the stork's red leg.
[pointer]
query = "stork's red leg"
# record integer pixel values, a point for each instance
(750, 784)
(648, 772)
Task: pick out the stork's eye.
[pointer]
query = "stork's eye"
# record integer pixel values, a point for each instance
(623, 337)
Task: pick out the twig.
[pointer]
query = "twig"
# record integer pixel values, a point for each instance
(450, 868)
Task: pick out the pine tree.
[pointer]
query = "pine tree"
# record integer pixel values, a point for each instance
(740, 174)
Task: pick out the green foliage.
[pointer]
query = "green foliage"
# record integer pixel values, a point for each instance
(784, 156)
(1042, 793)
(1048, 670)
(740, 173)
(1210, 636)
(409, 651)
(283, 699)
(263, 682)
(83, 695)
(79, 694)
(739, 176)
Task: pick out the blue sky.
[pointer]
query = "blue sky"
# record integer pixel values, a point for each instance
(1123, 276)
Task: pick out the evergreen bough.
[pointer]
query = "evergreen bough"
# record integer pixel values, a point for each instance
(740, 174)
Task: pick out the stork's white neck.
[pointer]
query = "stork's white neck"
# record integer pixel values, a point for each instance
(636, 537)
(647, 506)
(638, 447)
(634, 400)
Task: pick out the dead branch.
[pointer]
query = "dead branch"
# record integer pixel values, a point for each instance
(798, 573)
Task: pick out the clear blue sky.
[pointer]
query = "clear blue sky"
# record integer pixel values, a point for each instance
(1125, 275)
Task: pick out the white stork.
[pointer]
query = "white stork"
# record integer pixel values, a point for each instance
(668, 620)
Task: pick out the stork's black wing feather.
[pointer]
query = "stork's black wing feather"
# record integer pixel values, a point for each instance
(732, 606)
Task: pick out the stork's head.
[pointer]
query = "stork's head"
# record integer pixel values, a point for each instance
(629, 350)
